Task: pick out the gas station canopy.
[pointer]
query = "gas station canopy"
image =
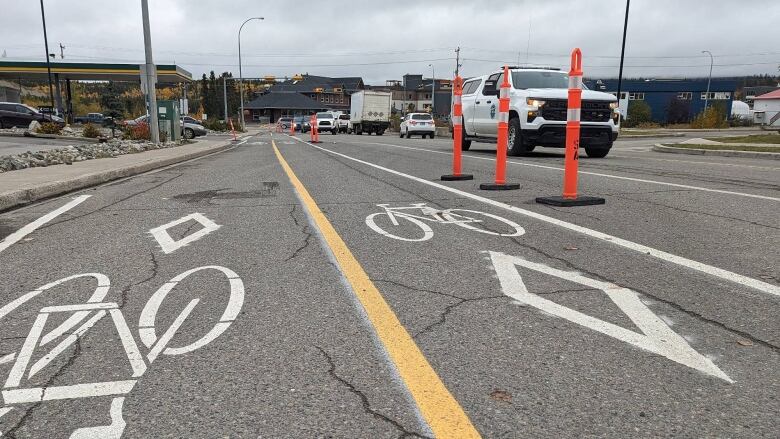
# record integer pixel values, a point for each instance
(166, 73)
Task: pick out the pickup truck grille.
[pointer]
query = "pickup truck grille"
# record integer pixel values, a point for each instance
(592, 111)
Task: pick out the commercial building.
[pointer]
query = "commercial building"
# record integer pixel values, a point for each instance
(766, 109)
(688, 96)
(314, 93)
(413, 93)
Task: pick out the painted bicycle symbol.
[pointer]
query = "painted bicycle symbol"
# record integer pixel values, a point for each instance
(474, 220)
(84, 316)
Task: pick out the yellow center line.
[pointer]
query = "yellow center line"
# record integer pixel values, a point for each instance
(438, 407)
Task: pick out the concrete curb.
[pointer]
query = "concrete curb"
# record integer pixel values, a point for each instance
(650, 136)
(715, 152)
(17, 198)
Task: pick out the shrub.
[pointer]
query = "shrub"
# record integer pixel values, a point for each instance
(712, 117)
(741, 121)
(138, 132)
(91, 131)
(49, 128)
(638, 113)
(215, 125)
(648, 125)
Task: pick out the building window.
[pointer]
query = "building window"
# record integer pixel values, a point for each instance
(716, 95)
(636, 96)
(685, 95)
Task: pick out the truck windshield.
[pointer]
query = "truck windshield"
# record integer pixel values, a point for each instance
(530, 79)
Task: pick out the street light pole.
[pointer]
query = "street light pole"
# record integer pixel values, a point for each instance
(48, 62)
(433, 90)
(622, 55)
(151, 74)
(709, 80)
(240, 73)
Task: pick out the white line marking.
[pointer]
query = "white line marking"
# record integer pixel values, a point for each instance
(66, 343)
(113, 431)
(13, 238)
(7, 359)
(639, 248)
(656, 336)
(597, 174)
(171, 331)
(168, 245)
(36, 394)
(644, 157)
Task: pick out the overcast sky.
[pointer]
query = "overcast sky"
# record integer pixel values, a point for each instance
(381, 40)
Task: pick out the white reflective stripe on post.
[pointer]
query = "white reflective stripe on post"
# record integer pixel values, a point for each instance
(573, 114)
(503, 117)
(457, 120)
(504, 93)
(575, 82)
(457, 100)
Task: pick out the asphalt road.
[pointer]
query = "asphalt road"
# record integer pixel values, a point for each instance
(654, 315)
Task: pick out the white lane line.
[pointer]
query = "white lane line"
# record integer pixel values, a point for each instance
(598, 174)
(13, 238)
(736, 165)
(639, 248)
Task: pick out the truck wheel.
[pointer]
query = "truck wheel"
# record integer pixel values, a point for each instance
(432, 135)
(598, 153)
(400, 134)
(379, 133)
(517, 144)
(465, 144)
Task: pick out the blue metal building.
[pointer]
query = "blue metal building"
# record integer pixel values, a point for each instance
(658, 93)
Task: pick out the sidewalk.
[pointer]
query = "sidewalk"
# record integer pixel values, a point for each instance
(25, 186)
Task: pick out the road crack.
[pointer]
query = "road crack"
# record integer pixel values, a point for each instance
(126, 290)
(305, 230)
(364, 399)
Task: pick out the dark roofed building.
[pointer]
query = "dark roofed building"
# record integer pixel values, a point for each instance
(331, 93)
(276, 104)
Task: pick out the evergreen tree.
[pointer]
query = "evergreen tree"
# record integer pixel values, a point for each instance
(204, 94)
(111, 103)
(213, 101)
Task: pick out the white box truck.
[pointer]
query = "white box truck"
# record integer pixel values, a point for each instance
(370, 112)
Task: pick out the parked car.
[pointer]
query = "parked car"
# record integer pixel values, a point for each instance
(538, 112)
(20, 115)
(96, 118)
(418, 123)
(285, 122)
(188, 130)
(189, 119)
(326, 122)
(343, 123)
(302, 124)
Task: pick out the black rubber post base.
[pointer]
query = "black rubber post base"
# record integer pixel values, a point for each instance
(499, 187)
(453, 177)
(569, 202)
(315, 141)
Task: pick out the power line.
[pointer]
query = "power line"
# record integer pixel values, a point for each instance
(635, 56)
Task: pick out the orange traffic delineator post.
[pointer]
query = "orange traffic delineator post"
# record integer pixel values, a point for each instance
(571, 160)
(457, 133)
(315, 133)
(292, 127)
(502, 141)
(232, 130)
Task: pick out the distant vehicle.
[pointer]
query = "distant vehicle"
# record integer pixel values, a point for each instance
(418, 123)
(537, 112)
(302, 124)
(189, 119)
(285, 122)
(96, 118)
(370, 112)
(326, 122)
(188, 130)
(343, 123)
(20, 115)
(48, 109)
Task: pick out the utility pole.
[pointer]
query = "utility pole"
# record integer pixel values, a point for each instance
(151, 74)
(457, 61)
(48, 61)
(709, 79)
(224, 94)
(62, 51)
(433, 91)
(622, 55)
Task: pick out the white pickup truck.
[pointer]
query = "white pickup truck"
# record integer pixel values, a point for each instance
(537, 112)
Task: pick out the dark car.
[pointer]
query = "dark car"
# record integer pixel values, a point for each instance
(95, 118)
(302, 124)
(20, 115)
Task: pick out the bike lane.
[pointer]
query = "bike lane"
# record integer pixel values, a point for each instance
(273, 347)
(552, 333)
